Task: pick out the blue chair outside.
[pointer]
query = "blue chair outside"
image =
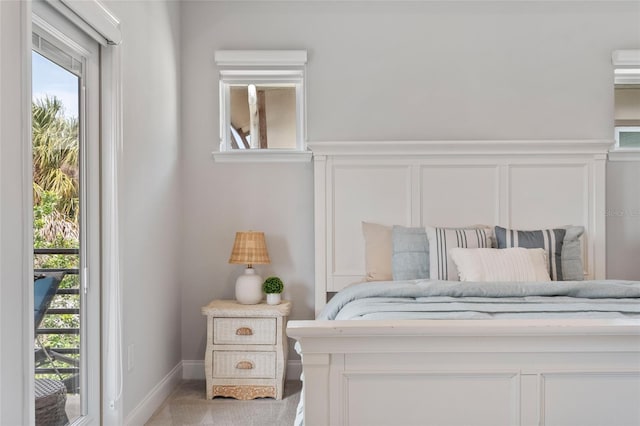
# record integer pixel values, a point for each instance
(44, 288)
(50, 395)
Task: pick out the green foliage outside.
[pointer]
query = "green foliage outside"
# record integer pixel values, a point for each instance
(55, 210)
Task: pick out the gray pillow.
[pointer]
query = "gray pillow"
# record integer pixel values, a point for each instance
(565, 257)
(572, 268)
(410, 253)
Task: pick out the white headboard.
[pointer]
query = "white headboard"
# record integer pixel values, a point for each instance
(519, 184)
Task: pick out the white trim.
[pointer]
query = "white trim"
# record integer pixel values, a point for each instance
(626, 76)
(618, 153)
(254, 76)
(626, 57)
(94, 13)
(27, 207)
(262, 156)
(111, 158)
(260, 57)
(626, 65)
(484, 148)
(154, 399)
(624, 155)
(193, 369)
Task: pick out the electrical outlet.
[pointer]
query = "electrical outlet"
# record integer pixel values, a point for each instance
(130, 357)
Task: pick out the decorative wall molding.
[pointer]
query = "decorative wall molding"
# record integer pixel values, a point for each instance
(421, 183)
(260, 57)
(455, 147)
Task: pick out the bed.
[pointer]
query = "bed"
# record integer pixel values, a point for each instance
(557, 361)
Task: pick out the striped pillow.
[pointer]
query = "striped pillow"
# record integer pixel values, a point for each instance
(441, 240)
(549, 239)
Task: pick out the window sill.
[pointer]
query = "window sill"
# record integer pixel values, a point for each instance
(262, 156)
(624, 155)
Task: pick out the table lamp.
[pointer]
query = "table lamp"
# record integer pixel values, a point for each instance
(249, 249)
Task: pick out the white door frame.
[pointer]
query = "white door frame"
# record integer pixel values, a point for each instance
(16, 264)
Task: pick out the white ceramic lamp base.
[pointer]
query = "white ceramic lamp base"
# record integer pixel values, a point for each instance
(249, 287)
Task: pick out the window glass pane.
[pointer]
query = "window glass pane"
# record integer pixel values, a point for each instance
(269, 113)
(56, 232)
(629, 139)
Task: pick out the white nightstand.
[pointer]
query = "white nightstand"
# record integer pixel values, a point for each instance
(246, 351)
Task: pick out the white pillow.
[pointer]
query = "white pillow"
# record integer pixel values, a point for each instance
(511, 264)
(377, 251)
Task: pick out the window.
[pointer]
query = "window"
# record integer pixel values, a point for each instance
(628, 137)
(262, 114)
(627, 105)
(66, 186)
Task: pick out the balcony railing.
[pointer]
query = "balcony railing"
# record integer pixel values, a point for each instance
(57, 348)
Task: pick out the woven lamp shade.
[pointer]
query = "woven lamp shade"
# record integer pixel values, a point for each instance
(249, 248)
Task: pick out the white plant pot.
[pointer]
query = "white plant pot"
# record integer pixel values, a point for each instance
(273, 298)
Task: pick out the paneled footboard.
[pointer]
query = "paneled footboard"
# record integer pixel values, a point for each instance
(498, 372)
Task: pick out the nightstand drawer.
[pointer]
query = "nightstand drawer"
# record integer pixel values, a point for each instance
(244, 364)
(244, 331)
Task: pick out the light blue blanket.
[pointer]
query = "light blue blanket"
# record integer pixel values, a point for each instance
(425, 299)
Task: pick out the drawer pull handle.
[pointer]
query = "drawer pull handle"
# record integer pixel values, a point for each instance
(244, 331)
(244, 365)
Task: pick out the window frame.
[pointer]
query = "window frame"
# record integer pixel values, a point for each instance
(261, 67)
(626, 70)
(66, 38)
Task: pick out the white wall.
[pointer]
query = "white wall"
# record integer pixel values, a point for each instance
(150, 202)
(623, 220)
(381, 70)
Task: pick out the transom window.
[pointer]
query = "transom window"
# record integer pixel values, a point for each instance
(262, 115)
(627, 105)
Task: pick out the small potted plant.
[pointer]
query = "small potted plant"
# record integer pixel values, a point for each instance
(273, 287)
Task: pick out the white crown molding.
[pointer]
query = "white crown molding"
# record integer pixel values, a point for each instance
(627, 66)
(261, 57)
(626, 58)
(262, 156)
(463, 147)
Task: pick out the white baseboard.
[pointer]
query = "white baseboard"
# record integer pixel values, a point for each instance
(145, 409)
(193, 369)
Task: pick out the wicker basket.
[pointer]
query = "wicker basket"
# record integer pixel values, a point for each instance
(51, 397)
